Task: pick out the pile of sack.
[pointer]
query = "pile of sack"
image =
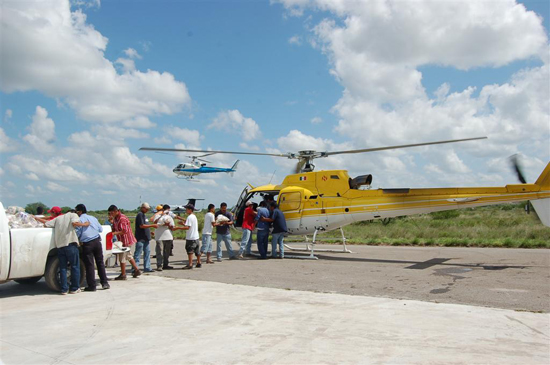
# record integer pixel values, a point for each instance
(18, 218)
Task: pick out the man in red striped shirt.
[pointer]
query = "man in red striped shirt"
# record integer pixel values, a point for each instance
(122, 229)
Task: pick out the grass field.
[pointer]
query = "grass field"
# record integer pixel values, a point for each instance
(497, 226)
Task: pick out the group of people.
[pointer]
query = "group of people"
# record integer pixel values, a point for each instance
(78, 228)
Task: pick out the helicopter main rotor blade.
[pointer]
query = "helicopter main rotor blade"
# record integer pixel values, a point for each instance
(325, 154)
(213, 152)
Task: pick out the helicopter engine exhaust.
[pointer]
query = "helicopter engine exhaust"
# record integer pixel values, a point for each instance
(361, 180)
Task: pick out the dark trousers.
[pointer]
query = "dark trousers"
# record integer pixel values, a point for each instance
(93, 250)
(163, 251)
(262, 237)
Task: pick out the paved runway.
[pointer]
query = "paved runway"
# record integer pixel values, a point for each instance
(163, 320)
(342, 308)
(500, 278)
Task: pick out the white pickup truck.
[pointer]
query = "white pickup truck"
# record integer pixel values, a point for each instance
(28, 254)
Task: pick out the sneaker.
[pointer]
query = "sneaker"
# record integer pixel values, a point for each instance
(75, 291)
(187, 267)
(64, 292)
(158, 269)
(198, 266)
(148, 270)
(167, 268)
(219, 260)
(135, 274)
(105, 286)
(240, 257)
(121, 277)
(233, 258)
(89, 289)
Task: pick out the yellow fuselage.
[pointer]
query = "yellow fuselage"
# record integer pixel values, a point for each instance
(324, 200)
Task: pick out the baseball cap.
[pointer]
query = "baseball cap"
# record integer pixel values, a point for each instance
(145, 205)
(159, 207)
(190, 206)
(248, 203)
(55, 210)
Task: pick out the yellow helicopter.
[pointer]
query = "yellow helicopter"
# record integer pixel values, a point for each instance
(321, 201)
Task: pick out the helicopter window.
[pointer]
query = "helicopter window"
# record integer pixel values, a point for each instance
(313, 197)
(335, 177)
(290, 201)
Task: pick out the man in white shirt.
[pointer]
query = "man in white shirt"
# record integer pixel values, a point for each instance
(192, 237)
(209, 223)
(164, 238)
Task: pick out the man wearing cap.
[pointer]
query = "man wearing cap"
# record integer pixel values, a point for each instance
(164, 237)
(123, 232)
(54, 212)
(66, 242)
(143, 236)
(192, 237)
(248, 227)
(90, 239)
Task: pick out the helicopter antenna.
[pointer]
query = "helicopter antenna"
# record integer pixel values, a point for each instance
(272, 177)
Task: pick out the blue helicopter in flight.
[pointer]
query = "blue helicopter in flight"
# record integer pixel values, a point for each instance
(196, 167)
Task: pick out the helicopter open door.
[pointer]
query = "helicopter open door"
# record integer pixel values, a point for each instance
(238, 211)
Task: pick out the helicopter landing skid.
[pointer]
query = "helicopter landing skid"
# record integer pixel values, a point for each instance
(310, 246)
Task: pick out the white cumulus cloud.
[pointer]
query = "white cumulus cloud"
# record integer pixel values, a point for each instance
(234, 121)
(49, 48)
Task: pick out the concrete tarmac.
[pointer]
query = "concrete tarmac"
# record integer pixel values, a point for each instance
(397, 305)
(159, 320)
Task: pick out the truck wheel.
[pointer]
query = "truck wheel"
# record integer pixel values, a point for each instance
(52, 274)
(28, 281)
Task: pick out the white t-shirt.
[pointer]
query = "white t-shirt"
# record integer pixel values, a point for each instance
(208, 220)
(193, 231)
(163, 233)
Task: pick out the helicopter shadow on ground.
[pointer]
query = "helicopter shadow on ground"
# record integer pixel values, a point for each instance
(421, 265)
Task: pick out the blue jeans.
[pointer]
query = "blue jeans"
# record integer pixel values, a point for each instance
(227, 239)
(206, 243)
(262, 238)
(246, 242)
(143, 246)
(69, 254)
(277, 239)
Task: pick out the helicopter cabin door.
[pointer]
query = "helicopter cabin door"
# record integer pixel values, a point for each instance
(290, 203)
(238, 212)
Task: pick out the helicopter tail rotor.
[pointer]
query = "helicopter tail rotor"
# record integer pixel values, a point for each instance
(514, 161)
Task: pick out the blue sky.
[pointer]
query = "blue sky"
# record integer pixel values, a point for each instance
(86, 84)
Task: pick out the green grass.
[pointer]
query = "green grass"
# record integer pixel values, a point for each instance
(497, 226)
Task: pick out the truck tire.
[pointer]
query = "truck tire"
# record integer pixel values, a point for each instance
(28, 281)
(51, 275)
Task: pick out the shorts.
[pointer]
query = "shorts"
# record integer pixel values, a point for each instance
(123, 257)
(192, 246)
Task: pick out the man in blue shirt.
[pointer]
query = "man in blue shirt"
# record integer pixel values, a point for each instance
(279, 230)
(262, 227)
(91, 248)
